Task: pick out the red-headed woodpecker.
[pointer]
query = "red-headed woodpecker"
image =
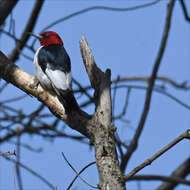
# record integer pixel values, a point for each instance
(53, 69)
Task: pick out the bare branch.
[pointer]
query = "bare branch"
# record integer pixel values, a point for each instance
(3, 87)
(32, 172)
(97, 8)
(13, 99)
(126, 103)
(28, 147)
(158, 90)
(180, 172)
(14, 178)
(6, 6)
(88, 165)
(104, 141)
(185, 10)
(134, 143)
(185, 135)
(114, 97)
(29, 27)
(19, 179)
(173, 180)
(164, 79)
(18, 41)
(95, 187)
(83, 90)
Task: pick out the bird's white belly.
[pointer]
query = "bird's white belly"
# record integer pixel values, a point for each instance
(41, 76)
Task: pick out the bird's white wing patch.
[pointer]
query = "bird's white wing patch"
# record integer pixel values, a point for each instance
(60, 79)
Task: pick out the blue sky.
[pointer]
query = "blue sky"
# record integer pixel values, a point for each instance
(127, 43)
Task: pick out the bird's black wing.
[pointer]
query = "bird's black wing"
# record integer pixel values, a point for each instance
(56, 56)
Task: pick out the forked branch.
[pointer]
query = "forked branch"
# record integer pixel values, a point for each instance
(106, 156)
(185, 135)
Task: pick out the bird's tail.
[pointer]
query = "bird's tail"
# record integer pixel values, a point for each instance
(68, 100)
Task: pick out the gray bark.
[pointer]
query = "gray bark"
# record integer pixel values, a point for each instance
(110, 174)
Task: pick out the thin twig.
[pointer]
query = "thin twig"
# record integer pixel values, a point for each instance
(32, 172)
(163, 79)
(41, 132)
(125, 106)
(182, 86)
(158, 90)
(134, 143)
(5, 9)
(119, 145)
(92, 163)
(29, 27)
(14, 177)
(181, 172)
(27, 146)
(114, 98)
(12, 24)
(78, 175)
(19, 179)
(83, 90)
(14, 99)
(3, 87)
(185, 135)
(177, 180)
(97, 8)
(35, 114)
(185, 10)
(17, 40)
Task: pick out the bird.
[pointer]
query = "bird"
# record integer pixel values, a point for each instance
(53, 69)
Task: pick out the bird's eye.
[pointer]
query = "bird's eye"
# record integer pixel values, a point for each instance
(46, 36)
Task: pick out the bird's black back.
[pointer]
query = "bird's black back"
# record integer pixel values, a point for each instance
(56, 56)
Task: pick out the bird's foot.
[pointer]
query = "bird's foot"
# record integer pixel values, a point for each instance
(35, 84)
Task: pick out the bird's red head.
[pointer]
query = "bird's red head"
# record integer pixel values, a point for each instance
(49, 38)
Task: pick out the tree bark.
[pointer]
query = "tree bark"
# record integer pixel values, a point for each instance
(110, 174)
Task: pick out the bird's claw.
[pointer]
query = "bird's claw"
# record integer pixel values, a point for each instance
(35, 84)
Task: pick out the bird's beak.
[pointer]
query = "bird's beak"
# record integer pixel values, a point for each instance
(36, 35)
